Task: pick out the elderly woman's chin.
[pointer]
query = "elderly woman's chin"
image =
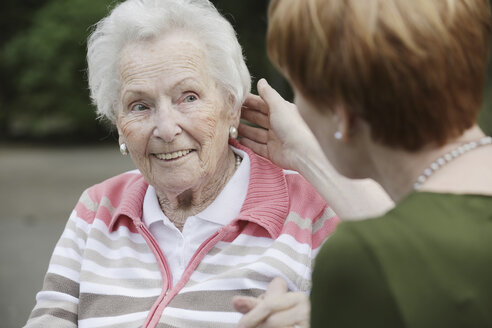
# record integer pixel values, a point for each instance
(176, 171)
(179, 175)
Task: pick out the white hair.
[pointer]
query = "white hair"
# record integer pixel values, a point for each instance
(135, 20)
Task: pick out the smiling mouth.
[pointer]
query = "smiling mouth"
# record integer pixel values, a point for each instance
(173, 155)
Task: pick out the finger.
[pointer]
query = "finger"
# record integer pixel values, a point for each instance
(258, 148)
(297, 316)
(255, 102)
(255, 117)
(277, 286)
(244, 304)
(266, 308)
(256, 134)
(271, 97)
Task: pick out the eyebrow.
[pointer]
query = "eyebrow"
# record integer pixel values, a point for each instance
(130, 93)
(136, 91)
(185, 80)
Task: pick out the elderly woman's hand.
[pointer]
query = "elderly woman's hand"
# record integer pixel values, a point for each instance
(284, 137)
(276, 308)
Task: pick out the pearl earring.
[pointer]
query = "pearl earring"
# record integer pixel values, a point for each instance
(123, 149)
(233, 132)
(338, 135)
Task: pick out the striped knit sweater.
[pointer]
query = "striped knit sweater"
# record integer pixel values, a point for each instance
(108, 271)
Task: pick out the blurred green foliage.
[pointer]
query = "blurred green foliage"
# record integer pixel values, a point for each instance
(44, 94)
(43, 85)
(45, 65)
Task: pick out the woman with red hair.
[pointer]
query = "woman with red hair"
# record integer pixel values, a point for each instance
(391, 90)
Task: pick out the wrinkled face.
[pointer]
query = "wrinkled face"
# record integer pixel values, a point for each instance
(172, 115)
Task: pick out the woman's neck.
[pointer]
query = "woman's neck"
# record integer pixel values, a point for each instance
(178, 207)
(397, 170)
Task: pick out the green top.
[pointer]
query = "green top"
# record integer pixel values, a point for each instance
(426, 263)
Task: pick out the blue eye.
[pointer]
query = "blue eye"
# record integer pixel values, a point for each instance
(190, 98)
(138, 107)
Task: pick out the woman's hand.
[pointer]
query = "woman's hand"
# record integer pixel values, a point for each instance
(284, 136)
(276, 308)
(287, 141)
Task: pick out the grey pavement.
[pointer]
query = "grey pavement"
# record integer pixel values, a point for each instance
(38, 189)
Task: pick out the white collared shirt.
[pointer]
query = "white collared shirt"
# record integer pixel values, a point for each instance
(179, 247)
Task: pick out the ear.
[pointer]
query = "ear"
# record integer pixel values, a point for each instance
(233, 114)
(345, 121)
(120, 139)
(120, 134)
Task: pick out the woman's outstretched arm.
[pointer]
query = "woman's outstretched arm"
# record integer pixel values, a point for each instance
(284, 138)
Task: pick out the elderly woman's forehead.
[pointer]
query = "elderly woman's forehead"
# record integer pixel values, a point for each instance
(164, 60)
(165, 48)
(184, 40)
(171, 47)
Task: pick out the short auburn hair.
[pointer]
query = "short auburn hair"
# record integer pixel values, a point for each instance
(413, 69)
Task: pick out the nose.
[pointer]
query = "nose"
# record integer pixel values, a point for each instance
(167, 124)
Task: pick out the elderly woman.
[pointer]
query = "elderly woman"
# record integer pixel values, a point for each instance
(203, 218)
(391, 90)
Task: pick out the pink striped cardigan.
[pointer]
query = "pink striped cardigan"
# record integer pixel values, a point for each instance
(108, 271)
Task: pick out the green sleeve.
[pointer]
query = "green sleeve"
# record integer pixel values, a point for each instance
(349, 289)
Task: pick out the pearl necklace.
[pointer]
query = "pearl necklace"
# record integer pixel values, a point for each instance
(448, 157)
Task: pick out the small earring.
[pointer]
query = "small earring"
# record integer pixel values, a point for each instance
(123, 149)
(338, 135)
(233, 132)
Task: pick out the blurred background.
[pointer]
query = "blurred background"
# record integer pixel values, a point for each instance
(51, 145)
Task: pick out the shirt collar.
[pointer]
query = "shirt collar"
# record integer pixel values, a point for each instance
(266, 203)
(227, 205)
(151, 211)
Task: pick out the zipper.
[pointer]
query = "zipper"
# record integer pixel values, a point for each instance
(204, 248)
(210, 242)
(163, 267)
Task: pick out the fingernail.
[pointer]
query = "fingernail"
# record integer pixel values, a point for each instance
(263, 82)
